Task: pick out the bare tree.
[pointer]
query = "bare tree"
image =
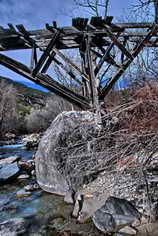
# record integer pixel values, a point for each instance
(96, 7)
(8, 108)
(39, 119)
(147, 4)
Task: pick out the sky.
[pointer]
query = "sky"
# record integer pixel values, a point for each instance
(34, 14)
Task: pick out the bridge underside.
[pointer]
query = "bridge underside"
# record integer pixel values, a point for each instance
(104, 49)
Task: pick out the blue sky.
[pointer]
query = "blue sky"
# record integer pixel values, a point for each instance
(35, 13)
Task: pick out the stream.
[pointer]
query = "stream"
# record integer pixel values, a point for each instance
(47, 212)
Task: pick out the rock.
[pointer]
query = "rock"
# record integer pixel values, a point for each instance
(114, 215)
(9, 136)
(32, 187)
(22, 193)
(24, 176)
(33, 173)
(4, 201)
(32, 141)
(69, 197)
(10, 160)
(13, 227)
(54, 165)
(8, 172)
(128, 231)
(87, 205)
(26, 166)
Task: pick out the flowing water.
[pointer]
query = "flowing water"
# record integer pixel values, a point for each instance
(40, 206)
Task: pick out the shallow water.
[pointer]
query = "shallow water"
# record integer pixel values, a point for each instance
(15, 149)
(39, 205)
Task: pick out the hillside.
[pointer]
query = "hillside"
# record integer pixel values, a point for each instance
(26, 95)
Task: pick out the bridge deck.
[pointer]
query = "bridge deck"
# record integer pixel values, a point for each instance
(70, 37)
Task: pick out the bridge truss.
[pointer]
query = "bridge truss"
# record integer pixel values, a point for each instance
(95, 40)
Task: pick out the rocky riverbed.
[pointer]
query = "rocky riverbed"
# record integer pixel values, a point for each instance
(25, 209)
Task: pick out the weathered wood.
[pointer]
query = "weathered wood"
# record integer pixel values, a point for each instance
(33, 58)
(48, 63)
(117, 42)
(46, 53)
(68, 61)
(45, 81)
(125, 65)
(156, 10)
(105, 57)
(98, 35)
(70, 73)
(93, 81)
(25, 35)
(93, 84)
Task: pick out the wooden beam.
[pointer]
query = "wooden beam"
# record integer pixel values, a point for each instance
(72, 64)
(93, 81)
(126, 64)
(70, 73)
(48, 63)
(105, 57)
(25, 35)
(46, 54)
(109, 59)
(117, 42)
(45, 81)
(33, 57)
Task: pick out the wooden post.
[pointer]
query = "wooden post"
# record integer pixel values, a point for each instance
(156, 10)
(93, 84)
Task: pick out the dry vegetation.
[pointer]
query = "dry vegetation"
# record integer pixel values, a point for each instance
(127, 145)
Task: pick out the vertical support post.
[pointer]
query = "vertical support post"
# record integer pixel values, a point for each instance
(85, 87)
(33, 57)
(93, 83)
(156, 10)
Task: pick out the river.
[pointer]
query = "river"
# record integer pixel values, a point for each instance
(48, 212)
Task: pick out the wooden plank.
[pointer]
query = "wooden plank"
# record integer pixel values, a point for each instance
(48, 63)
(80, 23)
(45, 54)
(70, 73)
(68, 61)
(24, 34)
(93, 84)
(109, 58)
(45, 81)
(94, 93)
(105, 56)
(43, 38)
(126, 64)
(117, 42)
(86, 85)
(33, 57)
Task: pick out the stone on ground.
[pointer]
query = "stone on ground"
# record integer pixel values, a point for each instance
(8, 172)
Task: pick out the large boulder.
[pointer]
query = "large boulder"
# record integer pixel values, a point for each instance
(63, 149)
(115, 215)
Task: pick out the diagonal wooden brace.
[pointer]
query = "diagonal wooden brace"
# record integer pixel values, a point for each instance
(72, 64)
(125, 65)
(45, 54)
(117, 42)
(45, 81)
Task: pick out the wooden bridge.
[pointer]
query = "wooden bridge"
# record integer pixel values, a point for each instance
(94, 40)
